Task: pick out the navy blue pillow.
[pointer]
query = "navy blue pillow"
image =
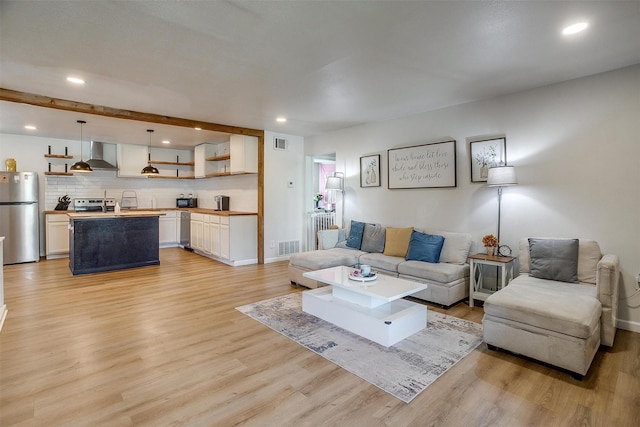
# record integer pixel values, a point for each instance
(354, 240)
(425, 247)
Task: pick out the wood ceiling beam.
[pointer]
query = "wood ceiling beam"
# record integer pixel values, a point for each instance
(101, 110)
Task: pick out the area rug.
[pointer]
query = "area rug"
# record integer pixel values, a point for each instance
(402, 370)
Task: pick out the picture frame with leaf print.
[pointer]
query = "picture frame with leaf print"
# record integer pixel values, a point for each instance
(485, 154)
(370, 171)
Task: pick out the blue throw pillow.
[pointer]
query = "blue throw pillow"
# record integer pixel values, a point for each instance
(425, 247)
(355, 235)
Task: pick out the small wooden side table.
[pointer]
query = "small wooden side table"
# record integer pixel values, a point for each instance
(504, 263)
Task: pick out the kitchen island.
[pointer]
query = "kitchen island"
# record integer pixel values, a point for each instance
(112, 241)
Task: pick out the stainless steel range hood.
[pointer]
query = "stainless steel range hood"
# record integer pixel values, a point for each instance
(97, 157)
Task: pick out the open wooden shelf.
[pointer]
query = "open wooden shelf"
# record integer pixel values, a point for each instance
(162, 162)
(218, 158)
(58, 156)
(59, 173)
(211, 175)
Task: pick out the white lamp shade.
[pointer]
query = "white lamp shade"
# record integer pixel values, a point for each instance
(502, 176)
(334, 183)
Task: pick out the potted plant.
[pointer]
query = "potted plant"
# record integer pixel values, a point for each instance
(317, 199)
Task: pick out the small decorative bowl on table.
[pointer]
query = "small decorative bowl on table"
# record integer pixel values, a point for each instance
(358, 276)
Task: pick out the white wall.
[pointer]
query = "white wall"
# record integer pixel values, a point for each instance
(283, 210)
(575, 147)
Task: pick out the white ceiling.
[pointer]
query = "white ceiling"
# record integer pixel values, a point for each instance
(325, 65)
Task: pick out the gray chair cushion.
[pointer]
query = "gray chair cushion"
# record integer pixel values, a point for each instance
(554, 259)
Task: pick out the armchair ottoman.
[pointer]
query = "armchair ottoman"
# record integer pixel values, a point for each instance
(559, 320)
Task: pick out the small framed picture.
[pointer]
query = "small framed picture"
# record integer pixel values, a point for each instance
(486, 154)
(370, 171)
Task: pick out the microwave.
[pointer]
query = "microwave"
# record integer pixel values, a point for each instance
(187, 203)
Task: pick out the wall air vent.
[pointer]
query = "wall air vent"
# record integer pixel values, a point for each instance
(280, 143)
(289, 247)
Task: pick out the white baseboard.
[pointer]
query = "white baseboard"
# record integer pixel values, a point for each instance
(277, 259)
(628, 325)
(3, 314)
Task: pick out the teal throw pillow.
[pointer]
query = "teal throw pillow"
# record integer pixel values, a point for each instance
(354, 241)
(425, 247)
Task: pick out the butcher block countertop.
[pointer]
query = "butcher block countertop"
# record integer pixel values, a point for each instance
(129, 212)
(121, 214)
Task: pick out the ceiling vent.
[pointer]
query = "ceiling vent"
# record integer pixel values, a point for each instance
(280, 143)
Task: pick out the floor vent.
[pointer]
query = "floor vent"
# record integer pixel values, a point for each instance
(280, 143)
(288, 248)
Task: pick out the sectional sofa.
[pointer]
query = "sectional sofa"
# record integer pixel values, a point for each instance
(437, 258)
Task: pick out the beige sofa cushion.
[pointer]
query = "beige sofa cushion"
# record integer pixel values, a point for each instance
(441, 272)
(317, 260)
(455, 249)
(588, 256)
(566, 308)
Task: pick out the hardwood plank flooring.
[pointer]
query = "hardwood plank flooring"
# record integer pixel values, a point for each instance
(164, 345)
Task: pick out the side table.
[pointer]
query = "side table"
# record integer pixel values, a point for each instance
(505, 265)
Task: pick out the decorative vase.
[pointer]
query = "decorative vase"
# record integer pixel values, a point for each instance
(484, 172)
(491, 250)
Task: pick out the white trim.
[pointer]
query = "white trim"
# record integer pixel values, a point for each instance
(3, 315)
(277, 259)
(628, 325)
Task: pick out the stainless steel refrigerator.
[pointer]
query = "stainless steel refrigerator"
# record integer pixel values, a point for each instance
(19, 216)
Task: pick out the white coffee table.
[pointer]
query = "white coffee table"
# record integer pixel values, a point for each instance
(374, 310)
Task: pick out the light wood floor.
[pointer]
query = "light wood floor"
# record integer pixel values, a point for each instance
(163, 345)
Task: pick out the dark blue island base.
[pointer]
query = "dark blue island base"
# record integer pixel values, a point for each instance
(111, 242)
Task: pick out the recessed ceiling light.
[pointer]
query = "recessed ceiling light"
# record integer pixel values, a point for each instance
(281, 119)
(165, 141)
(575, 28)
(198, 128)
(76, 80)
(30, 127)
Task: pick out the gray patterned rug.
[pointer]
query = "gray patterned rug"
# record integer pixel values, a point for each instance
(402, 370)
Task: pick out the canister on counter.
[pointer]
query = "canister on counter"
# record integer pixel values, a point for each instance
(11, 164)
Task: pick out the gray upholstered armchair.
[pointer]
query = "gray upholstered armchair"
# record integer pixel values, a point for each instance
(560, 308)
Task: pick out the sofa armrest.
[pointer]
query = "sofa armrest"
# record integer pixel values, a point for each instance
(607, 278)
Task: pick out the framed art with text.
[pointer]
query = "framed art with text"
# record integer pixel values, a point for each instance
(485, 154)
(423, 166)
(370, 171)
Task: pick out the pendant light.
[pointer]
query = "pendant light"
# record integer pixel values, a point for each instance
(81, 166)
(149, 170)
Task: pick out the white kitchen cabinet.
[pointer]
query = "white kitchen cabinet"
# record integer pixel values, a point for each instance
(202, 166)
(132, 159)
(228, 239)
(57, 236)
(214, 234)
(206, 235)
(197, 229)
(244, 154)
(224, 238)
(168, 234)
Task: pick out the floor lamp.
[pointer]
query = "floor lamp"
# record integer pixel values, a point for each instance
(336, 183)
(501, 176)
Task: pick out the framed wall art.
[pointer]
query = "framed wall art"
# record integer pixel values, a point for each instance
(423, 166)
(370, 171)
(485, 154)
